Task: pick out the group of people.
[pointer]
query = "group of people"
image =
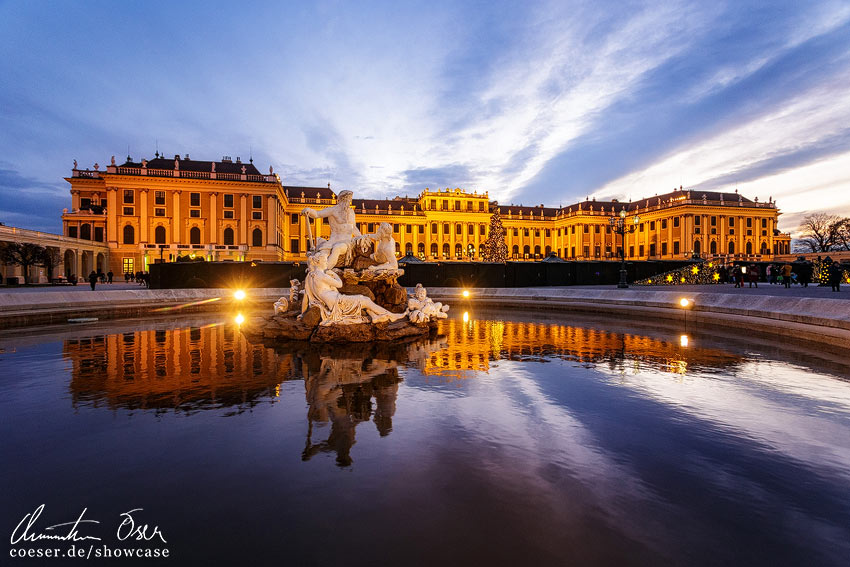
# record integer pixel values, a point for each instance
(142, 278)
(786, 274)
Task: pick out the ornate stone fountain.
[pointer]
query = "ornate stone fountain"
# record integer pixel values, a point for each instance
(351, 292)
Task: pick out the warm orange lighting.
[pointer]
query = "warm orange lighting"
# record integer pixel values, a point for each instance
(465, 293)
(684, 302)
(466, 316)
(683, 341)
(239, 294)
(239, 319)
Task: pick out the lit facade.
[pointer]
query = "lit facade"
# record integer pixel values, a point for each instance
(227, 210)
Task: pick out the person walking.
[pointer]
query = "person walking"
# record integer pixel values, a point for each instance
(93, 279)
(835, 275)
(786, 274)
(768, 271)
(753, 275)
(109, 276)
(737, 275)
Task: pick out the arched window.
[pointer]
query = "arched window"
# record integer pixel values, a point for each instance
(749, 247)
(129, 235)
(195, 235)
(537, 251)
(434, 249)
(458, 251)
(397, 249)
(228, 236)
(408, 248)
(526, 251)
(257, 237)
(515, 251)
(731, 247)
(85, 232)
(697, 247)
(548, 250)
(159, 235)
(470, 250)
(446, 251)
(763, 247)
(422, 250)
(713, 247)
(481, 251)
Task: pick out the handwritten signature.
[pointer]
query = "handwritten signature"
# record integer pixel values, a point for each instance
(128, 528)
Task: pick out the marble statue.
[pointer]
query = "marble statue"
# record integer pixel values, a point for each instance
(384, 253)
(281, 305)
(422, 308)
(295, 290)
(340, 244)
(321, 289)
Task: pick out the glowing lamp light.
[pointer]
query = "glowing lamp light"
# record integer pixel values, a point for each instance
(683, 341)
(465, 293)
(239, 319)
(694, 270)
(716, 276)
(466, 316)
(239, 294)
(685, 302)
(683, 279)
(669, 278)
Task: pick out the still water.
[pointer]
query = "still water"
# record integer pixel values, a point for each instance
(508, 440)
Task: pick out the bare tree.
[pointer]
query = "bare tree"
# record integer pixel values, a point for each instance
(22, 254)
(50, 259)
(842, 235)
(818, 232)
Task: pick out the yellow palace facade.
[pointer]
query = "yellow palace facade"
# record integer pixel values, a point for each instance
(224, 210)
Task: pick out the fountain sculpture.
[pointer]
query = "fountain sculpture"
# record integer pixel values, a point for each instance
(351, 292)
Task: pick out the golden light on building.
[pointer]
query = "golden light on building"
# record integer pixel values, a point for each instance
(165, 208)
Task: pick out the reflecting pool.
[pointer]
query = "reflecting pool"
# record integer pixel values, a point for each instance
(508, 439)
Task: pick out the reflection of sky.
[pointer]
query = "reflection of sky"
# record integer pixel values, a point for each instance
(642, 443)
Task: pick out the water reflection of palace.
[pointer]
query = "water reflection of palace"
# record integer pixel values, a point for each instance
(183, 368)
(472, 344)
(214, 366)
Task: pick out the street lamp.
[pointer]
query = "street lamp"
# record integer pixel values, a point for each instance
(618, 223)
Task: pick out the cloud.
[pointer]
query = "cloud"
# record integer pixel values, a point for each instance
(30, 203)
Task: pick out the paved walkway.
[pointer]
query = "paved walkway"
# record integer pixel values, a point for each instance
(763, 289)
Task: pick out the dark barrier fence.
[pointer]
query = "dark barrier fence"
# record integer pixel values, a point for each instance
(430, 274)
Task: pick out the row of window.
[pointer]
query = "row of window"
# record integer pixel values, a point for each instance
(193, 213)
(159, 235)
(444, 205)
(194, 199)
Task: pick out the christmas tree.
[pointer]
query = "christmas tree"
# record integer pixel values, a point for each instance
(495, 249)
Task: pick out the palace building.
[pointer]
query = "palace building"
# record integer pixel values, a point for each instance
(165, 208)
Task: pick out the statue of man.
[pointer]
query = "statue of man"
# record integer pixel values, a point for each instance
(343, 228)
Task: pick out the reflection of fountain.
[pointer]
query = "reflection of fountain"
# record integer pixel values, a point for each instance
(340, 383)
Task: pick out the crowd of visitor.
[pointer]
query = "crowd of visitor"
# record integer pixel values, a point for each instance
(786, 274)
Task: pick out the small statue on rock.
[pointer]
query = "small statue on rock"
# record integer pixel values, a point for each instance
(295, 290)
(384, 253)
(422, 308)
(281, 306)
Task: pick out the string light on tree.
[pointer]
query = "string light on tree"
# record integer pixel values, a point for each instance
(495, 248)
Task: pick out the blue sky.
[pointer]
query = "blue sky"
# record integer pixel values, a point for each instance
(534, 102)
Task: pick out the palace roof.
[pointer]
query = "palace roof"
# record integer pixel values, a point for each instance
(186, 164)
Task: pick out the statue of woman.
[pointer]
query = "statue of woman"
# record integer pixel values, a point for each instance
(322, 290)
